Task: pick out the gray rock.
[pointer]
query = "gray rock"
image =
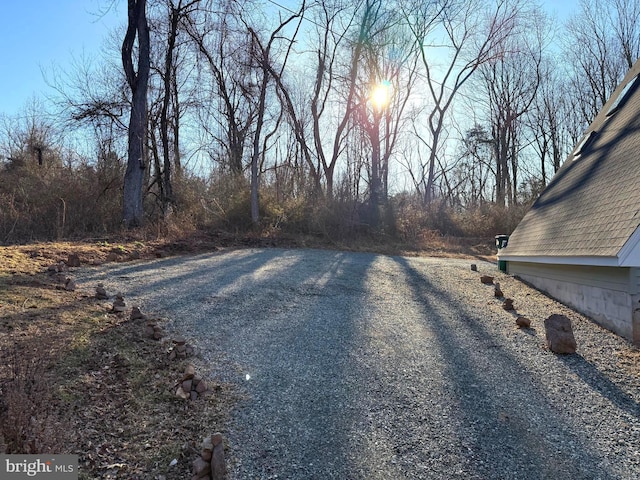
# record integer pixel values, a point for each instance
(218, 466)
(559, 334)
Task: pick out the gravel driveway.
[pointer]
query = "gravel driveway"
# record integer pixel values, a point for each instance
(363, 366)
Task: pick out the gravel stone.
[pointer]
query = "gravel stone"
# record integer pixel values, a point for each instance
(364, 366)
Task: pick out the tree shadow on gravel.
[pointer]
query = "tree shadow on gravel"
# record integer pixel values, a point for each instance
(297, 355)
(509, 427)
(194, 274)
(283, 320)
(599, 382)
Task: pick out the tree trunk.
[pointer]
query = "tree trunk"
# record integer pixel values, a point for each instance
(138, 82)
(167, 197)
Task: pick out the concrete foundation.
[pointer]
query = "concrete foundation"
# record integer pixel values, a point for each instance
(605, 294)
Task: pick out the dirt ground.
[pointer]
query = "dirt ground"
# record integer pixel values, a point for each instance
(76, 378)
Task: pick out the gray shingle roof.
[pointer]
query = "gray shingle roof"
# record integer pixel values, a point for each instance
(592, 205)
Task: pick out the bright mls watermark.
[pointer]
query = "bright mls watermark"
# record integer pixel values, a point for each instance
(51, 467)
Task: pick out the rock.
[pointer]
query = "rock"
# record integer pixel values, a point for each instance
(497, 292)
(189, 372)
(194, 395)
(101, 293)
(559, 334)
(158, 334)
(508, 304)
(201, 386)
(172, 355)
(186, 385)
(182, 394)
(112, 257)
(135, 255)
(59, 278)
(149, 331)
(118, 305)
(474, 267)
(179, 340)
(201, 468)
(216, 439)
(70, 285)
(486, 279)
(206, 449)
(160, 254)
(73, 260)
(523, 322)
(218, 467)
(136, 314)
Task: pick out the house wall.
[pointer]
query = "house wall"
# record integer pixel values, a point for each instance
(608, 295)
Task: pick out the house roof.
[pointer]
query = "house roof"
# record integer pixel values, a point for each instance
(591, 208)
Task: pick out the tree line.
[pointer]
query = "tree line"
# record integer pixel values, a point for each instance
(273, 111)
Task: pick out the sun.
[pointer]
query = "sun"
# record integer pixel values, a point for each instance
(381, 94)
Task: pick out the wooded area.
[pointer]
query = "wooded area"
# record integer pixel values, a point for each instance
(328, 118)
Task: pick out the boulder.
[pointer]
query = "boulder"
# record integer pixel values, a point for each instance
(189, 372)
(201, 386)
(182, 394)
(218, 466)
(136, 314)
(523, 322)
(216, 439)
(508, 304)
(118, 305)
(101, 293)
(201, 468)
(70, 285)
(486, 279)
(73, 260)
(559, 334)
(207, 449)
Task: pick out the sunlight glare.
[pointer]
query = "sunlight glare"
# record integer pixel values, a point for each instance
(381, 95)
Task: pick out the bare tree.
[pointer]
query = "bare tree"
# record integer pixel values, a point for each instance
(262, 54)
(602, 42)
(334, 22)
(138, 81)
(551, 121)
(230, 101)
(511, 83)
(388, 73)
(464, 35)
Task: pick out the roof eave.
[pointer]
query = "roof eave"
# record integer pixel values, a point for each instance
(629, 255)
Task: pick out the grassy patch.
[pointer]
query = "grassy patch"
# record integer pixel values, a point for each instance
(76, 379)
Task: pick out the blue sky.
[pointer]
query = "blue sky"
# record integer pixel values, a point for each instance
(39, 35)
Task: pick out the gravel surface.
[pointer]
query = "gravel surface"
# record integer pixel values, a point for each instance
(363, 366)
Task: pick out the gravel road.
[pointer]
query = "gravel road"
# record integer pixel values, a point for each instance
(364, 366)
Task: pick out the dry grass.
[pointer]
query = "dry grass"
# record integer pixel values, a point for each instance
(76, 379)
